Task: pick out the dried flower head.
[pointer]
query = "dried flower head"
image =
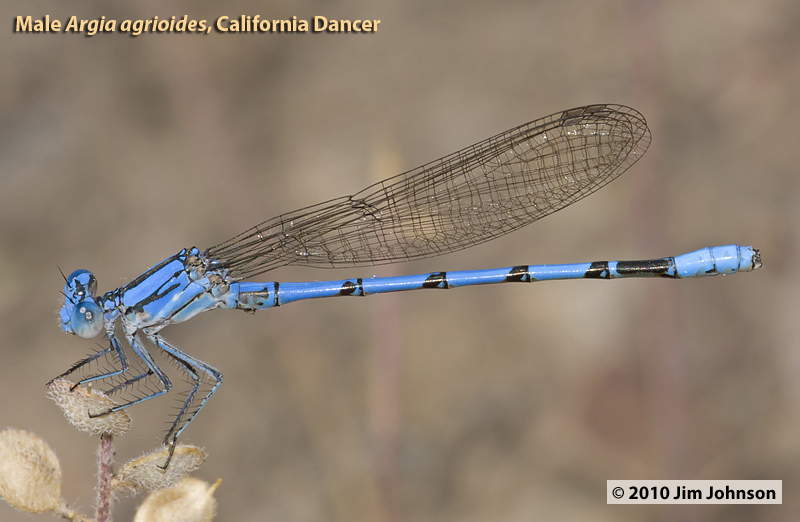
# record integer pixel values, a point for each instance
(146, 472)
(30, 475)
(190, 500)
(80, 403)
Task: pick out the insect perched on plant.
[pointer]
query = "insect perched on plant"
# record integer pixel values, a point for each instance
(471, 196)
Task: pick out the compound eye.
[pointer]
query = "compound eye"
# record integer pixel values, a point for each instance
(81, 283)
(86, 319)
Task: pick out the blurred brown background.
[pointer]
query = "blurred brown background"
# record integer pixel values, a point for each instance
(510, 403)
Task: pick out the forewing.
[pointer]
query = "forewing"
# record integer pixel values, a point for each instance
(466, 198)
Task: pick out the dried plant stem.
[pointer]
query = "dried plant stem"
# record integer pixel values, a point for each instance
(105, 489)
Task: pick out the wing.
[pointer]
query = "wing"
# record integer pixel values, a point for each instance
(466, 198)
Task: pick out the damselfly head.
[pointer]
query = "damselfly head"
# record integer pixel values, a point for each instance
(80, 284)
(81, 315)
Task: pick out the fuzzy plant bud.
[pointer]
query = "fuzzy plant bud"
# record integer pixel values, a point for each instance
(190, 500)
(30, 475)
(146, 472)
(80, 403)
